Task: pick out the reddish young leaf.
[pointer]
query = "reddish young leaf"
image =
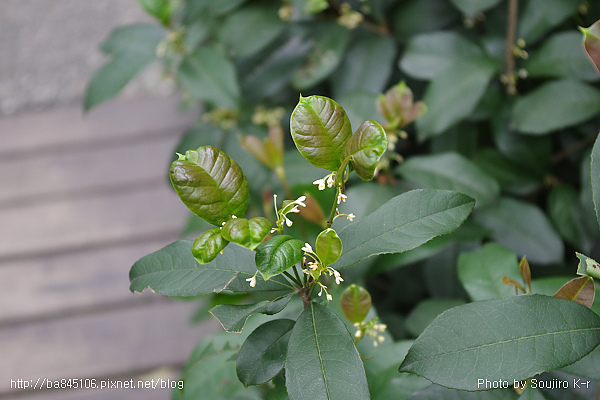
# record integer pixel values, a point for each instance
(591, 43)
(580, 290)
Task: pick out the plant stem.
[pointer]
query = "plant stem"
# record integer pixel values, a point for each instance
(333, 208)
(290, 277)
(509, 56)
(297, 275)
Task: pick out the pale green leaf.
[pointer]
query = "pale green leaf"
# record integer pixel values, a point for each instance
(233, 316)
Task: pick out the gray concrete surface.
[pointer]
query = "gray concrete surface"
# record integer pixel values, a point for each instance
(49, 50)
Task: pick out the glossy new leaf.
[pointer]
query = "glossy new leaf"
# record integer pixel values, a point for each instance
(320, 128)
(366, 146)
(262, 355)
(591, 43)
(322, 362)
(248, 233)
(278, 254)
(403, 223)
(328, 246)
(451, 171)
(356, 303)
(210, 184)
(207, 245)
(173, 271)
(492, 339)
(233, 316)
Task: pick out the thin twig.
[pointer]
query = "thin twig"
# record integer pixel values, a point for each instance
(509, 56)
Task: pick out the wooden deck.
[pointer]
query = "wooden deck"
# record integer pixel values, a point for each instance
(81, 199)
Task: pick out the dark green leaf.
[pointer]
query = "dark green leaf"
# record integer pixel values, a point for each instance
(278, 254)
(330, 42)
(233, 316)
(511, 177)
(132, 48)
(426, 311)
(367, 65)
(210, 184)
(251, 28)
(454, 93)
(591, 43)
(555, 105)
(209, 76)
(173, 271)
(481, 272)
(356, 303)
(366, 146)
(565, 212)
(454, 172)
(320, 128)
(587, 366)
(328, 246)
(262, 355)
(246, 233)
(403, 223)
(407, 19)
(430, 53)
(560, 56)
(322, 362)
(471, 7)
(436, 392)
(207, 245)
(160, 9)
(540, 16)
(595, 173)
(524, 228)
(502, 339)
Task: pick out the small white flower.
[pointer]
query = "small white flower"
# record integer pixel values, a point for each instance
(375, 344)
(341, 197)
(330, 181)
(300, 201)
(351, 217)
(321, 183)
(358, 333)
(329, 297)
(273, 230)
(338, 277)
(381, 339)
(252, 281)
(307, 248)
(295, 210)
(233, 216)
(313, 265)
(288, 221)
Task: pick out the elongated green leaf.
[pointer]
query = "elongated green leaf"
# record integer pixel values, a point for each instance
(471, 7)
(210, 76)
(328, 246)
(481, 272)
(502, 339)
(173, 271)
(366, 146)
(320, 128)
(403, 223)
(454, 93)
(426, 311)
(451, 171)
(233, 316)
(591, 43)
(262, 355)
(587, 366)
(322, 362)
(210, 184)
(555, 105)
(278, 254)
(207, 245)
(566, 214)
(251, 28)
(595, 167)
(430, 53)
(132, 48)
(560, 56)
(246, 233)
(540, 16)
(436, 392)
(523, 228)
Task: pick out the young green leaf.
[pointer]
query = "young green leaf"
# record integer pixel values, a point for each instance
(492, 339)
(246, 233)
(320, 128)
(322, 362)
(356, 303)
(328, 246)
(233, 316)
(159, 9)
(403, 223)
(595, 172)
(208, 244)
(173, 271)
(210, 184)
(366, 146)
(588, 266)
(580, 290)
(262, 355)
(278, 254)
(591, 43)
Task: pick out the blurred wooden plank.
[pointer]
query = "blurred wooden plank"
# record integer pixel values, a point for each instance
(52, 285)
(67, 127)
(111, 218)
(100, 345)
(38, 175)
